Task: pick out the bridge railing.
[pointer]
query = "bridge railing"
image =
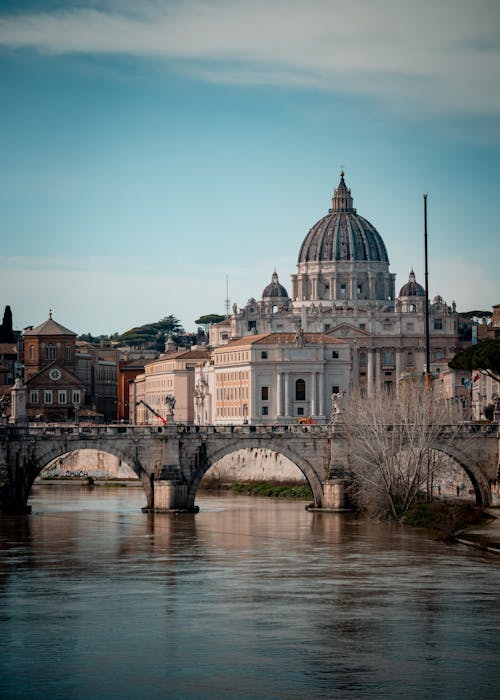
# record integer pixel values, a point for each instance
(82, 430)
(339, 429)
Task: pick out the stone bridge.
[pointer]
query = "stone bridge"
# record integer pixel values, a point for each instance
(171, 460)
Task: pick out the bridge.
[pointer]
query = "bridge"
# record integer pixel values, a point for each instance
(171, 460)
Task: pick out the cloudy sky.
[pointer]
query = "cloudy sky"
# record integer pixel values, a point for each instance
(149, 150)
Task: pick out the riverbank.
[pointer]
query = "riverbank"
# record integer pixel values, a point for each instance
(486, 536)
(84, 481)
(271, 489)
(458, 522)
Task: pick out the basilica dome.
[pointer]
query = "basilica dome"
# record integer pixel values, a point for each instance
(412, 288)
(275, 290)
(343, 235)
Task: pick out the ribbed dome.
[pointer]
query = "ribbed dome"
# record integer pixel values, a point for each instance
(342, 234)
(275, 289)
(412, 288)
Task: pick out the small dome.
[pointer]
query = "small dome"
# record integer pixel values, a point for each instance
(342, 234)
(412, 288)
(275, 289)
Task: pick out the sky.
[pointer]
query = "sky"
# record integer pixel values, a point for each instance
(156, 154)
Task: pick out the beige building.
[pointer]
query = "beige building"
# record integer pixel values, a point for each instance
(172, 375)
(272, 378)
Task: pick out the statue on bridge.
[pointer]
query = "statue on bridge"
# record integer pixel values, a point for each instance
(170, 401)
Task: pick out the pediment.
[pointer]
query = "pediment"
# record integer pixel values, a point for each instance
(347, 330)
(54, 376)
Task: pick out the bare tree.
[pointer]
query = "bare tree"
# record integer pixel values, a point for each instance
(391, 437)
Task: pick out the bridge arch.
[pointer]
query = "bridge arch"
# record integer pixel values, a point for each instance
(480, 484)
(211, 458)
(46, 453)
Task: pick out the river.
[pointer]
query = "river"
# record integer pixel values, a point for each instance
(251, 598)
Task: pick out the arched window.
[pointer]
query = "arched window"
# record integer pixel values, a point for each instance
(410, 360)
(300, 390)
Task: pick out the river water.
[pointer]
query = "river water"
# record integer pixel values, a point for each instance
(250, 598)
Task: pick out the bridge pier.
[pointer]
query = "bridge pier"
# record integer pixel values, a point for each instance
(171, 496)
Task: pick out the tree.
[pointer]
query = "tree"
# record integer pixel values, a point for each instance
(208, 320)
(390, 439)
(6, 334)
(484, 356)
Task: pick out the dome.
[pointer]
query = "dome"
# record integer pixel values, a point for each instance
(275, 289)
(412, 288)
(342, 234)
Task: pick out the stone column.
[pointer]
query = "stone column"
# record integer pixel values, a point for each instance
(398, 365)
(321, 393)
(353, 282)
(371, 285)
(313, 393)
(377, 369)
(279, 402)
(370, 370)
(287, 394)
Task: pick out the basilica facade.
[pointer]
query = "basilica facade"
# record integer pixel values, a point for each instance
(343, 288)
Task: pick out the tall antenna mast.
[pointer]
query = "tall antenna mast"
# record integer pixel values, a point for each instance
(427, 332)
(227, 302)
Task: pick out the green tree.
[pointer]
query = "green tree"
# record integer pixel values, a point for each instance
(484, 356)
(208, 320)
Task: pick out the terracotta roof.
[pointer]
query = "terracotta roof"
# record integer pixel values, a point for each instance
(50, 327)
(281, 339)
(194, 354)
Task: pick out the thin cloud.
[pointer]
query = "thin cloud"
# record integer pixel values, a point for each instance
(438, 57)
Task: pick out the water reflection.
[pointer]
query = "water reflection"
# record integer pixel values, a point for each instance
(251, 598)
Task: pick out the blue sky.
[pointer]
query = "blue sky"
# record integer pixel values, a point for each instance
(150, 149)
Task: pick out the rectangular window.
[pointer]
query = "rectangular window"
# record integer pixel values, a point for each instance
(265, 410)
(264, 393)
(68, 352)
(32, 352)
(300, 411)
(34, 396)
(75, 396)
(438, 324)
(50, 352)
(335, 354)
(342, 290)
(388, 358)
(62, 396)
(362, 326)
(335, 389)
(263, 354)
(47, 396)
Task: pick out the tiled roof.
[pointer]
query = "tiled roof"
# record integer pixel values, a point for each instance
(50, 327)
(281, 339)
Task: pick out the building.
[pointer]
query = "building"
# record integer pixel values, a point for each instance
(54, 392)
(172, 375)
(272, 378)
(343, 288)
